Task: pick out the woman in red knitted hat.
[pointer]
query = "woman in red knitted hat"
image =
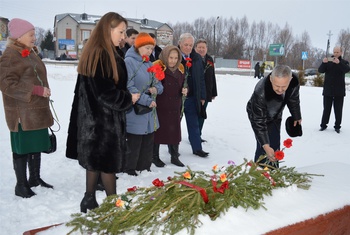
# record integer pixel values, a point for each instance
(26, 94)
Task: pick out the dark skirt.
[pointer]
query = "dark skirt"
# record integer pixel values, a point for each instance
(36, 141)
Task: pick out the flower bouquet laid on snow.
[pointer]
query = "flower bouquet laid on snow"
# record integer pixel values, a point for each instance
(167, 207)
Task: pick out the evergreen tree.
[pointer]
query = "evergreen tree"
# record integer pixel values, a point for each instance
(48, 43)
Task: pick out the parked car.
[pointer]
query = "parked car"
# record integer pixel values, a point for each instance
(310, 72)
(64, 56)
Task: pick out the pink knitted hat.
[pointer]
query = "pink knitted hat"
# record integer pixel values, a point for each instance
(17, 27)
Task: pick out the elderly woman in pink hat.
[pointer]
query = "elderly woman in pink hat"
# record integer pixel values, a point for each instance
(26, 92)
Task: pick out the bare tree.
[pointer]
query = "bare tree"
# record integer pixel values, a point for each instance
(300, 45)
(344, 42)
(39, 35)
(286, 38)
(235, 39)
(235, 43)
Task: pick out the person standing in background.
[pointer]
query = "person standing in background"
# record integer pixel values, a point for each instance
(262, 70)
(196, 92)
(335, 69)
(257, 70)
(26, 93)
(209, 77)
(140, 128)
(97, 131)
(129, 41)
(156, 51)
(169, 105)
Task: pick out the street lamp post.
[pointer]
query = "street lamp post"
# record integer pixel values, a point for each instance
(214, 36)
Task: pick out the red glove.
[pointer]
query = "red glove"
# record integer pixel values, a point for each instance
(38, 90)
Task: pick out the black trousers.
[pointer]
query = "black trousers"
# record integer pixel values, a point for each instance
(274, 130)
(337, 102)
(139, 152)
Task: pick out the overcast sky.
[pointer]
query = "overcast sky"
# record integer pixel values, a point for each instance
(317, 17)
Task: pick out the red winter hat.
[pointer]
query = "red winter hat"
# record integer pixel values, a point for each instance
(143, 39)
(17, 27)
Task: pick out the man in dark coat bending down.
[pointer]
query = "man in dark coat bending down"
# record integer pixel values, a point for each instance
(265, 109)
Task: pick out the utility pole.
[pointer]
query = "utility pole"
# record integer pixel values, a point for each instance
(214, 36)
(328, 42)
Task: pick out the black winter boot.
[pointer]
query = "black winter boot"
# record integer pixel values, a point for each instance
(22, 188)
(34, 160)
(88, 202)
(156, 160)
(175, 155)
(173, 151)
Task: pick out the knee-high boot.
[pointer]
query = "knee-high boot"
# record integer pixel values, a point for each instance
(174, 151)
(22, 188)
(34, 160)
(156, 160)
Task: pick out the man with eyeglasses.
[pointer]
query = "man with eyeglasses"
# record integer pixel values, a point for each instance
(265, 109)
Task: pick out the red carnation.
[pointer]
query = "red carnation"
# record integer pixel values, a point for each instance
(288, 143)
(188, 62)
(25, 52)
(145, 58)
(158, 183)
(279, 155)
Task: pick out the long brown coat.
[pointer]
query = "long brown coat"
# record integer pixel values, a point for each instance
(17, 80)
(169, 102)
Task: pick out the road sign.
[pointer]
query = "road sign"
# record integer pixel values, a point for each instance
(276, 49)
(304, 55)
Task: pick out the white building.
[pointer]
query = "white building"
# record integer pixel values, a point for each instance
(70, 31)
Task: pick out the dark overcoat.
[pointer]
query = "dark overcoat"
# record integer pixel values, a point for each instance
(97, 128)
(210, 79)
(334, 79)
(195, 79)
(169, 107)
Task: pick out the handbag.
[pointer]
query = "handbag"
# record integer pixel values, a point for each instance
(53, 142)
(53, 139)
(141, 109)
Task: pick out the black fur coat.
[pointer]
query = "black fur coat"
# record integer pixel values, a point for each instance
(97, 128)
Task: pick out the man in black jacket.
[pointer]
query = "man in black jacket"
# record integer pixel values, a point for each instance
(335, 69)
(265, 109)
(131, 35)
(209, 77)
(156, 50)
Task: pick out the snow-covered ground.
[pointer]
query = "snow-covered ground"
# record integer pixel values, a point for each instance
(229, 137)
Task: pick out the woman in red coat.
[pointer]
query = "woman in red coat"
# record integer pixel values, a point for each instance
(169, 105)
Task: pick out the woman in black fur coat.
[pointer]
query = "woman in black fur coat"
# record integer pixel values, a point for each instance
(97, 131)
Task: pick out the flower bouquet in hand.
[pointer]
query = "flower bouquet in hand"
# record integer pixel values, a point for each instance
(187, 68)
(265, 162)
(157, 73)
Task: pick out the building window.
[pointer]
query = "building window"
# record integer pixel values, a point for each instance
(85, 34)
(68, 33)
